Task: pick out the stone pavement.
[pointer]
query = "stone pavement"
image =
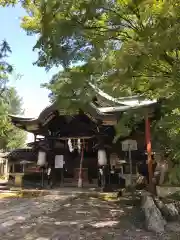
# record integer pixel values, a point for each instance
(19, 210)
(69, 216)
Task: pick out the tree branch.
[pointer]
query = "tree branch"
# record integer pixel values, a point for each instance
(168, 59)
(122, 17)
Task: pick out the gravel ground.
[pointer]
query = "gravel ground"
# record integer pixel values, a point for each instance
(74, 217)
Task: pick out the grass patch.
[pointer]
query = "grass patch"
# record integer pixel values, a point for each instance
(8, 195)
(33, 193)
(174, 196)
(23, 194)
(110, 197)
(2, 177)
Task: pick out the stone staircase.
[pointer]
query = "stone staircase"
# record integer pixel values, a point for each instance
(4, 185)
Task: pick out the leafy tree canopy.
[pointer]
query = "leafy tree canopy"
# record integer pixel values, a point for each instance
(12, 137)
(125, 46)
(10, 103)
(5, 71)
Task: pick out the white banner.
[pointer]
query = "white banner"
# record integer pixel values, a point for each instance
(41, 158)
(59, 161)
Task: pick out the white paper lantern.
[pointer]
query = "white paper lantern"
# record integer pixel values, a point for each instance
(102, 157)
(41, 159)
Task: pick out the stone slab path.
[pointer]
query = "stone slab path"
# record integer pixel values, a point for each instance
(70, 216)
(19, 210)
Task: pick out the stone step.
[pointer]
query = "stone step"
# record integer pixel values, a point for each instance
(4, 185)
(2, 188)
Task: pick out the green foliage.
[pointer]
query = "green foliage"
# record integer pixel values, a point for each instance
(174, 176)
(15, 139)
(125, 46)
(108, 38)
(12, 137)
(10, 103)
(5, 71)
(6, 3)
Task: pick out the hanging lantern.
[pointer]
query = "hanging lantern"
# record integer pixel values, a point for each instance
(41, 159)
(102, 157)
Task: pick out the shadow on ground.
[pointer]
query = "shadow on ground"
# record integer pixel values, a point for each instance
(85, 217)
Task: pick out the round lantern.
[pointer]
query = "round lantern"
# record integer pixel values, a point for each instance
(41, 159)
(102, 157)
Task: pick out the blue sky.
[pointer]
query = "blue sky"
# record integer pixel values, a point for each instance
(22, 57)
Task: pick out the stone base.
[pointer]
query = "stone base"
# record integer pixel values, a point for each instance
(4, 185)
(153, 218)
(2, 188)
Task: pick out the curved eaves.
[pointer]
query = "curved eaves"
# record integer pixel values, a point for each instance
(27, 124)
(46, 111)
(19, 118)
(132, 101)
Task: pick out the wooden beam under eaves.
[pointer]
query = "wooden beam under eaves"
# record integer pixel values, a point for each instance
(109, 122)
(72, 138)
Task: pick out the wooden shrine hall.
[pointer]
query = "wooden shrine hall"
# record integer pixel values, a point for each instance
(77, 148)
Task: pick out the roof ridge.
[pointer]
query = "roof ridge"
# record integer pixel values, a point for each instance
(109, 97)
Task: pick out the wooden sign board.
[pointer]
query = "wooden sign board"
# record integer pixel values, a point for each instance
(129, 144)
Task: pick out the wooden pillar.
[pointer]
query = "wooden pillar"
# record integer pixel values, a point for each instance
(152, 186)
(13, 168)
(62, 176)
(42, 176)
(80, 179)
(6, 169)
